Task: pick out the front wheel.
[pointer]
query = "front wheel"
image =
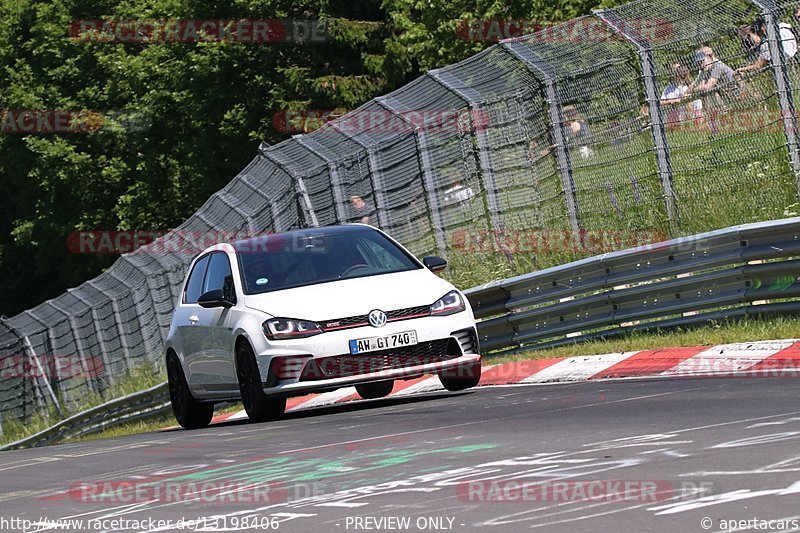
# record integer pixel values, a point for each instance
(189, 413)
(259, 406)
(371, 391)
(461, 377)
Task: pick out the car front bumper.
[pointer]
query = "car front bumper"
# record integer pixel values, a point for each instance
(296, 388)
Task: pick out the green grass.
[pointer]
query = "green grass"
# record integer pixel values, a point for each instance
(143, 377)
(744, 330)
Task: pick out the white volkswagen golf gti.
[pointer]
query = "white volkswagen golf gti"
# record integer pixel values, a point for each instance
(313, 310)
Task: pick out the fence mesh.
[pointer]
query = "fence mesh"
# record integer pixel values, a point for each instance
(650, 120)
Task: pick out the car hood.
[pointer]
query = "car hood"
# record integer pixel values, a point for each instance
(351, 297)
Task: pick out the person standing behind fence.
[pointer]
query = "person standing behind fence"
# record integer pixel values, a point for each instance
(715, 76)
(576, 129)
(673, 96)
(755, 36)
(361, 210)
(716, 82)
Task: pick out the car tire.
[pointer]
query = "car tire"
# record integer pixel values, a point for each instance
(372, 391)
(189, 413)
(259, 406)
(461, 377)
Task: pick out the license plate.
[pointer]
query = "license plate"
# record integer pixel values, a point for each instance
(371, 344)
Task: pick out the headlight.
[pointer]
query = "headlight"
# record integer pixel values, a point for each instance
(449, 304)
(289, 328)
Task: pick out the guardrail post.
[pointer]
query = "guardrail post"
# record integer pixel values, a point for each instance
(782, 83)
(426, 166)
(307, 209)
(381, 205)
(661, 146)
(539, 67)
(472, 99)
(339, 200)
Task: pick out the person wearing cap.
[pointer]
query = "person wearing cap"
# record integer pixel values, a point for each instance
(714, 74)
(755, 35)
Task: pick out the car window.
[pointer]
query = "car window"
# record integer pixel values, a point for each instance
(219, 274)
(194, 287)
(282, 261)
(378, 256)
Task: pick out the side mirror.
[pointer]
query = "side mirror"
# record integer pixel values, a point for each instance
(214, 298)
(434, 264)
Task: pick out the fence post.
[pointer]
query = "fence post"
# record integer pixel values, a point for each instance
(42, 373)
(381, 204)
(426, 166)
(73, 325)
(123, 338)
(661, 146)
(273, 209)
(308, 210)
(24, 346)
(101, 340)
(318, 150)
(472, 99)
(782, 83)
(248, 221)
(539, 67)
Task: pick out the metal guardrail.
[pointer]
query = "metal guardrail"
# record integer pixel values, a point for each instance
(737, 271)
(130, 408)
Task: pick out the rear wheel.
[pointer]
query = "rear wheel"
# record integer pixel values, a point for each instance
(189, 413)
(461, 377)
(259, 406)
(379, 389)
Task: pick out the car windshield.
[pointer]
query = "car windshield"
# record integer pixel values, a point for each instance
(283, 261)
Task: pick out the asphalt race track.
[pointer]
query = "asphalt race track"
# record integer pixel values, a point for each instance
(649, 455)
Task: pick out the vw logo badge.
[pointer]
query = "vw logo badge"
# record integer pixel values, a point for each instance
(377, 318)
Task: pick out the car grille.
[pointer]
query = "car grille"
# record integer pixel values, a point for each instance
(345, 365)
(361, 320)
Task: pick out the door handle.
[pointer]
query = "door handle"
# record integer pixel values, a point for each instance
(194, 319)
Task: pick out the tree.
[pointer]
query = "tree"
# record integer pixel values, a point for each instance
(165, 124)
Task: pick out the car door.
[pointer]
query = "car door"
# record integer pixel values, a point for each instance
(214, 360)
(187, 319)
